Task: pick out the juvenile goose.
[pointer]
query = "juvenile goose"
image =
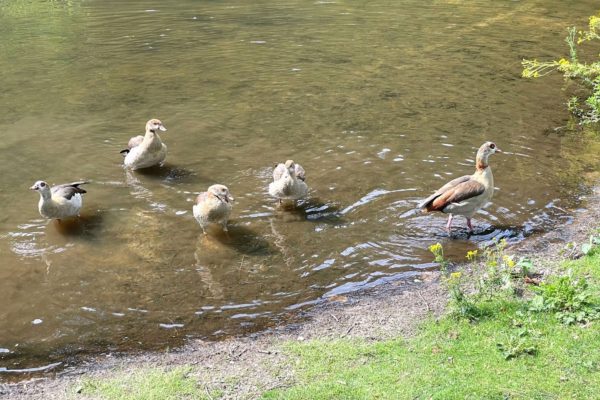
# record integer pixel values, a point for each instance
(288, 182)
(467, 194)
(213, 206)
(148, 150)
(60, 201)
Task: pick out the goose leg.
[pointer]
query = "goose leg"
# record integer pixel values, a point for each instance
(469, 225)
(449, 224)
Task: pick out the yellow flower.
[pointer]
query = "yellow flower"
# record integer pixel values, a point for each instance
(471, 255)
(435, 248)
(508, 260)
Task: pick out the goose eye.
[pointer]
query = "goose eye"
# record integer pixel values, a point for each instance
(492, 146)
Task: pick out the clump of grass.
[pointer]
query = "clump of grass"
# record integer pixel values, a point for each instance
(145, 384)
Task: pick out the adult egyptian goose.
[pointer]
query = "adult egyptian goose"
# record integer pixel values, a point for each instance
(467, 194)
(288, 182)
(213, 206)
(148, 150)
(60, 201)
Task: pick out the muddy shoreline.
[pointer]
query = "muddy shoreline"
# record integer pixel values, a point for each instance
(255, 362)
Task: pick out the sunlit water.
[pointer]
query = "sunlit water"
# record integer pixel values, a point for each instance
(381, 102)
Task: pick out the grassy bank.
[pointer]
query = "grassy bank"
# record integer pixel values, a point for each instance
(509, 332)
(515, 342)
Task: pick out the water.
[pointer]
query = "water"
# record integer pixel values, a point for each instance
(381, 102)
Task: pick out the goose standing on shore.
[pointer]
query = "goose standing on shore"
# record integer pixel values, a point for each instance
(148, 150)
(467, 194)
(60, 201)
(288, 182)
(213, 206)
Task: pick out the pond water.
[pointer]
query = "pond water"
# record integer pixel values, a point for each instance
(380, 101)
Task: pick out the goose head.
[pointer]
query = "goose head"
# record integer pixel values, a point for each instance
(221, 192)
(290, 166)
(154, 125)
(42, 187)
(486, 149)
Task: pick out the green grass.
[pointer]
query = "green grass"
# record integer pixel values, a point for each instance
(146, 384)
(512, 353)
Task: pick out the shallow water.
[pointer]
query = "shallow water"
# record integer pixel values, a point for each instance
(381, 102)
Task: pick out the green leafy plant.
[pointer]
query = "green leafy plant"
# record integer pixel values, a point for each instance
(589, 247)
(517, 345)
(570, 300)
(588, 74)
(461, 304)
(501, 269)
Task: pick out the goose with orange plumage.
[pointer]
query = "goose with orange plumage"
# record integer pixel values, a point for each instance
(468, 194)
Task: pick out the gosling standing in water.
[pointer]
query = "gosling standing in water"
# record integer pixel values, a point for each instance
(467, 194)
(288, 182)
(60, 201)
(213, 206)
(148, 150)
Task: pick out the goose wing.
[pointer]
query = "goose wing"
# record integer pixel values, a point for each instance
(455, 191)
(68, 190)
(135, 141)
(201, 198)
(299, 171)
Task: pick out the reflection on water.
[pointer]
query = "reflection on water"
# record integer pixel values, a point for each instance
(380, 102)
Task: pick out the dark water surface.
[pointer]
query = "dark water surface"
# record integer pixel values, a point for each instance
(380, 101)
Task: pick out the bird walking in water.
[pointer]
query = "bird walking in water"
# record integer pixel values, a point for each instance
(467, 194)
(288, 182)
(60, 201)
(148, 150)
(213, 206)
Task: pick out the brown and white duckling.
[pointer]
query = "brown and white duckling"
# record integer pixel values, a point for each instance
(467, 194)
(60, 201)
(148, 150)
(213, 206)
(288, 182)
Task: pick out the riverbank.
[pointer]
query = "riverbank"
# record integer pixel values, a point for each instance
(372, 340)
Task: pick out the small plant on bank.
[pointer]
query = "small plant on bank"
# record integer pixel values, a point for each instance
(461, 304)
(438, 253)
(570, 299)
(588, 74)
(501, 270)
(592, 245)
(517, 345)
